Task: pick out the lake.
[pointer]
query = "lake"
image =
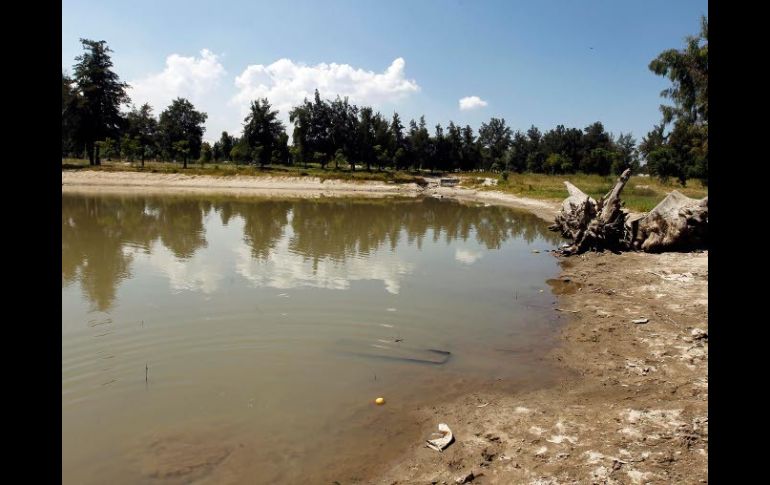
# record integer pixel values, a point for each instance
(224, 339)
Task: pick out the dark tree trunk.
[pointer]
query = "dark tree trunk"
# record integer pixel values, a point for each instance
(184, 162)
(90, 150)
(97, 160)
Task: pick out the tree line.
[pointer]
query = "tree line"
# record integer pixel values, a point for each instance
(338, 133)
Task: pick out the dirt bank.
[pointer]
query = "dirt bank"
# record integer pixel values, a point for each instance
(632, 407)
(132, 182)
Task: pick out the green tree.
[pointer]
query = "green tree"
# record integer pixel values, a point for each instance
(262, 131)
(518, 153)
(130, 148)
(591, 161)
(366, 138)
(181, 122)
(535, 152)
(107, 147)
(627, 154)
(494, 138)
(454, 148)
(71, 119)
(240, 153)
(102, 93)
(398, 142)
(470, 154)
(143, 126)
(206, 154)
(182, 148)
(226, 143)
(556, 163)
(687, 69)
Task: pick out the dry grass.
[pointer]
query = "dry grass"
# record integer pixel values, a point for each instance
(230, 169)
(640, 193)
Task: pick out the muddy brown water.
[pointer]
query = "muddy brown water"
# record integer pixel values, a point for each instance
(244, 340)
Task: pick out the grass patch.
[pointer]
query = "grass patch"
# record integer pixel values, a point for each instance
(640, 193)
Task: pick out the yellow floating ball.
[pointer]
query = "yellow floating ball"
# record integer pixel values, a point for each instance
(380, 400)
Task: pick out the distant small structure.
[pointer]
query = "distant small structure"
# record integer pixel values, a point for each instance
(449, 182)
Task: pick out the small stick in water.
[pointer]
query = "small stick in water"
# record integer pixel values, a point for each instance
(146, 369)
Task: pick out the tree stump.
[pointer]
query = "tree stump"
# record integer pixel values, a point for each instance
(676, 223)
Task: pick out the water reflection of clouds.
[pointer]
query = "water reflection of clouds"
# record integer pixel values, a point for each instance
(198, 273)
(467, 256)
(284, 269)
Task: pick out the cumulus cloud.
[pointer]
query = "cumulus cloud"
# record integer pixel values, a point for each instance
(471, 102)
(286, 83)
(194, 78)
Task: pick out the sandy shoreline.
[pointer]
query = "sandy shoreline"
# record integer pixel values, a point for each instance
(90, 181)
(632, 406)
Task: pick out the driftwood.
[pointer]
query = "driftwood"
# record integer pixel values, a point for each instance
(677, 223)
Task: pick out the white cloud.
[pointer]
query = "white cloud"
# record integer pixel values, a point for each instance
(286, 83)
(471, 102)
(194, 78)
(467, 257)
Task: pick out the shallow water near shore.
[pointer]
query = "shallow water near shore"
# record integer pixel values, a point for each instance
(244, 340)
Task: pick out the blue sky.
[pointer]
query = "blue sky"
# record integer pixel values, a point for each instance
(531, 62)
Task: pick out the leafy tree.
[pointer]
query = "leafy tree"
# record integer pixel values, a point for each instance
(142, 126)
(627, 155)
(419, 142)
(599, 160)
(595, 137)
(281, 153)
(516, 158)
(454, 147)
(262, 131)
(687, 69)
(662, 163)
(131, 148)
(240, 153)
(343, 117)
(339, 158)
(439, 150)
(181, 122)
(226, 143)
(384, 139)
(206, 154)
(535, 154)
(397, 140)
(101, 95)
(108, 147)
(366, 138)
(494, 138)
(556, 163)
(470, 154)
(71, 117)
(301, 116)
(182, 148)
